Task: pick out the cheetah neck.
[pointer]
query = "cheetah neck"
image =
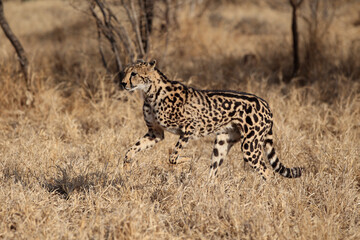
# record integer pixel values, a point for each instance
(158, 82)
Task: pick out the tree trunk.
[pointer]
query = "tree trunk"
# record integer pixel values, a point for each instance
(295, 36)
(15, 42)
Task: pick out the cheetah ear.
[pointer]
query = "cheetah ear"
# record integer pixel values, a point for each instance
(152, 64)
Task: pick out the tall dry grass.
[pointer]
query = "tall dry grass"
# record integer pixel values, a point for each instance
(60, 176)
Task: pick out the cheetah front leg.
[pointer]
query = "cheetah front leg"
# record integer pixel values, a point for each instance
(152, 137)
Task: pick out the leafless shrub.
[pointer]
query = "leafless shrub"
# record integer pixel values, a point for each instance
(129, 33)
(316, 50)
(318, 16)
(322, 53)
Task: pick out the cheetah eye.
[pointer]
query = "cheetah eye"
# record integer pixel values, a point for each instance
(133, 74)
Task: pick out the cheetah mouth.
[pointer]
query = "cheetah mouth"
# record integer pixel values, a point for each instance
(131, 89)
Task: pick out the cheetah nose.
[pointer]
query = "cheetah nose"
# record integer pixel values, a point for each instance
(123, 84)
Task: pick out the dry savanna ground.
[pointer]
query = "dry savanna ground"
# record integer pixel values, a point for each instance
(60, 176)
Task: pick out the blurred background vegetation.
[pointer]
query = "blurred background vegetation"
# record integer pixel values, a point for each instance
(65, 127)
(115, 33)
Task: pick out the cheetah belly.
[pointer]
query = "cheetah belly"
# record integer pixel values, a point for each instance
(176, 131)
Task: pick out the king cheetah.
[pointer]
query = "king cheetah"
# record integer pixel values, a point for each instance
(235, 117)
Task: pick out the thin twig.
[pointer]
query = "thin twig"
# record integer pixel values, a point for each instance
(133, 20)
(107, 30)
(101, 49)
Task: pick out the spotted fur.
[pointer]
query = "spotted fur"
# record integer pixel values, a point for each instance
(233, 116)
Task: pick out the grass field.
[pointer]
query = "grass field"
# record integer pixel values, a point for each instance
(60, 176)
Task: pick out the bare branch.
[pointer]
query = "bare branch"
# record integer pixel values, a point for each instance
(15, 42)
(123, 35)
(101, 49)
(134, 24)
(107, 30)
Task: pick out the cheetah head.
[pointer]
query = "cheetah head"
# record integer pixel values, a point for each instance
(138, 75)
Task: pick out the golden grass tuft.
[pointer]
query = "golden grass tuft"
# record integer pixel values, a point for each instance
(61, 172)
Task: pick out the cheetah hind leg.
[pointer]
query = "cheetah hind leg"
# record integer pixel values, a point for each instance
(253, 155)
(175, 154)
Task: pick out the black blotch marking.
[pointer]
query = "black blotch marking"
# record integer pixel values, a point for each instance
(232, 113)
(274, 164)
(246, 129)
(237, 104)
(269, 141)
(221, 142)
(282, 170)
(248, 109)
(216, 152)
(272, 153)
(158, 93)
(257, 105)
(221, 162)
(263, 164)
(248, 121)
(252, 133)
(215, 165)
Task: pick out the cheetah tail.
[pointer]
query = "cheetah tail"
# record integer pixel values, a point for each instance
(275, 162)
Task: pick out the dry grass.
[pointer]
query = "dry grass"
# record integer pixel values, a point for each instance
(59, 171)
